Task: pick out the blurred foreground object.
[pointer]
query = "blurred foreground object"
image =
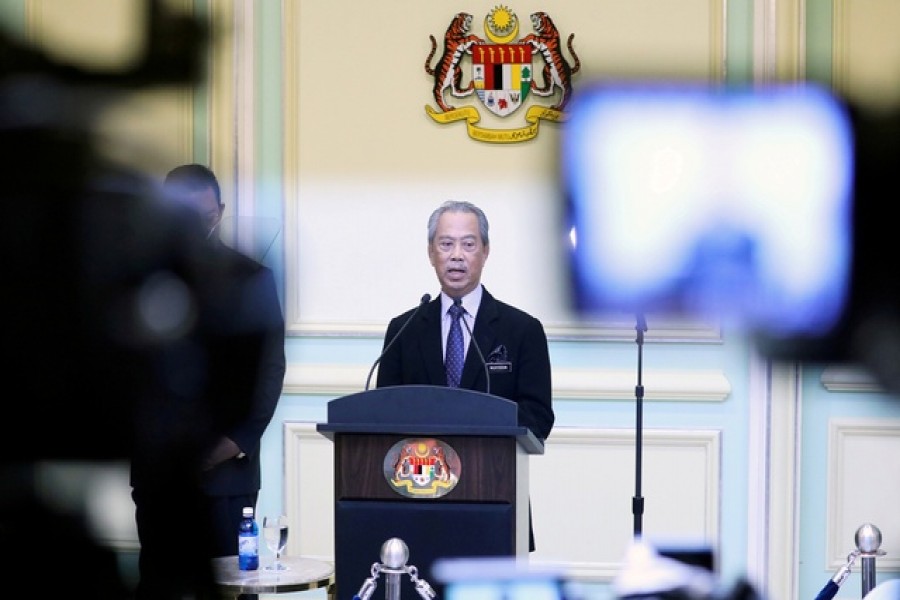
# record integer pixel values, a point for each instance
(756, 208)
(93, 257)
(648, 575)
(500, 578)
(889, 590)
(102, 283)
(732, 204)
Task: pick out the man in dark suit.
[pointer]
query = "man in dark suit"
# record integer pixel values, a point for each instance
(512, 340)
(198, 443)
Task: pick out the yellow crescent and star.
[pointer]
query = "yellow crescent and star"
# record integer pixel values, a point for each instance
(497, 21)
(501, 26)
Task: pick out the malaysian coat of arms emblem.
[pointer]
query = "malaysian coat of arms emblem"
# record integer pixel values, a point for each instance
(503, 73)
(422, 468)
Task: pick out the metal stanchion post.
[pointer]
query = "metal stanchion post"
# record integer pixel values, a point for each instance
(868, 542)
(394, 554)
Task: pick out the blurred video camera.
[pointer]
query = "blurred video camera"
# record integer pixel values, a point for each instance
(86, 239)
(753, 208)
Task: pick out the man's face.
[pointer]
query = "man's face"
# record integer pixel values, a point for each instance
(457, 253)
(205, 203)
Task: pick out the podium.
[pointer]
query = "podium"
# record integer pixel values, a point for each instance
(482, 510)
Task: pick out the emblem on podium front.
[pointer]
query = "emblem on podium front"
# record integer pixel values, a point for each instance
(422, 468)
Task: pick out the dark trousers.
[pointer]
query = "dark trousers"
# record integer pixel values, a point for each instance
(178, 534)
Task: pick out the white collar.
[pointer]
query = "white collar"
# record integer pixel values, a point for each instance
(470, 302)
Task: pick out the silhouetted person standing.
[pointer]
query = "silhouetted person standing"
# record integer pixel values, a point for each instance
(225, 378)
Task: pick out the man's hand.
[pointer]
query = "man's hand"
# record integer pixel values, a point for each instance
(224, 449)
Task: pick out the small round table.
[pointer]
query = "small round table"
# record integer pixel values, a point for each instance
(302, 574)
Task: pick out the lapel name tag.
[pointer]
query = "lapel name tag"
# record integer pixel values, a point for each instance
(500, 367)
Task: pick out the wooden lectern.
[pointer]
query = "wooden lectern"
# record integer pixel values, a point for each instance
(485, 514)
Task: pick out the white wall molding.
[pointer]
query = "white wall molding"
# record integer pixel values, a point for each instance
(576, 384)
(309, 490)
(781, 522)
(840, 378)
(861, 454)
(583, 485)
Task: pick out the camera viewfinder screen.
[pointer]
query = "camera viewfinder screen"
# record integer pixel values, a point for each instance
(711, 203)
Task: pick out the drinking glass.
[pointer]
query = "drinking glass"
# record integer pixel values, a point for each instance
(275, 532)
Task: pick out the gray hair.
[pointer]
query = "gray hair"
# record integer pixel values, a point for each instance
(458, 206)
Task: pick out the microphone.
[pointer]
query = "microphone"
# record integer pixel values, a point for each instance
(487, 373)
(425, 300)
(640, 326)
(641, 322)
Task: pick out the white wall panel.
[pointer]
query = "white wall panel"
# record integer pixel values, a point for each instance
(863, 487)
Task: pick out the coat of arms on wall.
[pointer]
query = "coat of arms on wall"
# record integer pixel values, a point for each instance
(506, 73)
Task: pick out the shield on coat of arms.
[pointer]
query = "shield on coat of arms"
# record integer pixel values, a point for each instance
(502, 74)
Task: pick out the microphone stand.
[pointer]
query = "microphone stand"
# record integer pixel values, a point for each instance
(487, 372)
(637, 503)
(425, 300)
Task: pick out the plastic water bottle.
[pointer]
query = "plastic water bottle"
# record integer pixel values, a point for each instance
(248, 541)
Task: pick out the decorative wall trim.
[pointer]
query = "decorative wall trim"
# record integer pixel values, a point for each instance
(309, 491)
(226, 70)
(781, 522)
(790, 59)
(612, 330)
(779, 40)
(840, 46)
(758, 467)
(575, 384)
(291, 166)
(590, 472)
(718, 40)
(856, 494)
(660, 330)
(849, 379)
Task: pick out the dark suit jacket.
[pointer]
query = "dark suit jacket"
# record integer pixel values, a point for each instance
(417, 357)
(225, 378)
(247, 354)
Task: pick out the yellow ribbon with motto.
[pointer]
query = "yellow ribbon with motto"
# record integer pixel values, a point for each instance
(412, 490)
(497, 136)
